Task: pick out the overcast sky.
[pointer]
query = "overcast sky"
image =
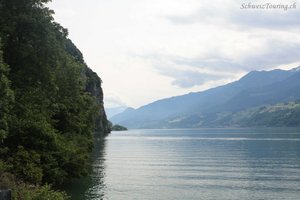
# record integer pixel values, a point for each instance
(145, 50)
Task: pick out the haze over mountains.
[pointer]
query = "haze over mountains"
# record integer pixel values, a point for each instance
(110, 112)
(260, 98)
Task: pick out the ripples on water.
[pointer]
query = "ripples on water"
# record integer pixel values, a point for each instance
(206, 164)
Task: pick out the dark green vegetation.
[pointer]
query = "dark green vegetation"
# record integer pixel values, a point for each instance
(50, 103)
(260, 98)
(118, 127)
(282, 114)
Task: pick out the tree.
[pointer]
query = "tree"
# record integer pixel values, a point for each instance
(53, 114)
(6, 99)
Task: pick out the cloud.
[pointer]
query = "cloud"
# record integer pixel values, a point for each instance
(266, 20)
(186, 73)
(182, 45)
(241, 40)
(218, 65)
(189, 78)
(234, 15)
(214, 64)
(274, 53)
(111, 100)
(277, 53)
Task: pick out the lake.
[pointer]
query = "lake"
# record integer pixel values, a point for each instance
(187, 164)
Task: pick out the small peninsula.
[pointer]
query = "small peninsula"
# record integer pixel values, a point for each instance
(118, 127)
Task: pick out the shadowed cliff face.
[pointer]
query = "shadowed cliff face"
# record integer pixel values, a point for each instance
(50, 103)
(93, 86)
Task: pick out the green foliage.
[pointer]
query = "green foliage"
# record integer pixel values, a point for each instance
(277, 115)
(26, 164)
(27, 192)
(47, 108)
(6, 99)
(21, 190)
(118, 127)
(285, 114)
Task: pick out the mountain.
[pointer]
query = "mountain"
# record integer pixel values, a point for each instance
(93, 86)
(280, 115)
(205, 109)
(110, 112)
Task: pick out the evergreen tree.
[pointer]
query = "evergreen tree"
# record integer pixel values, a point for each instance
(6, 99)
(53, 115)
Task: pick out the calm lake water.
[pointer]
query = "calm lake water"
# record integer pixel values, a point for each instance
(247, 164)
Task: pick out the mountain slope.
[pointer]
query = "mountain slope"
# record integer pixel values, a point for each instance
(110, 112)
(203, 108)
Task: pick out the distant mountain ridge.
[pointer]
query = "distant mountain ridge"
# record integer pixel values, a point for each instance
(204, 109)
(110, 112)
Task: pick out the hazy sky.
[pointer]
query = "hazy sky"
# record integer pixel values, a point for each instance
(145, 50)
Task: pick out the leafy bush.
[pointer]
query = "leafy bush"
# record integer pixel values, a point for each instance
(28, 192)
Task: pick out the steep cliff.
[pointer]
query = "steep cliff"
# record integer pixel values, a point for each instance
(93, 86)
(51, 102)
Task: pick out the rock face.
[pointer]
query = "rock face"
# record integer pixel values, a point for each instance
(5, 194)
(93, 86)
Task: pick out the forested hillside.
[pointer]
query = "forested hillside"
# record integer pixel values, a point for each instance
(50, 101)
(278, 115)
(223, 106)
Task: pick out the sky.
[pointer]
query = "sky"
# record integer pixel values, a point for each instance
(145, 50)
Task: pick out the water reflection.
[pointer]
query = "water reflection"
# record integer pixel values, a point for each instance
(91, 187)
(96, 189)
(210, 164)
